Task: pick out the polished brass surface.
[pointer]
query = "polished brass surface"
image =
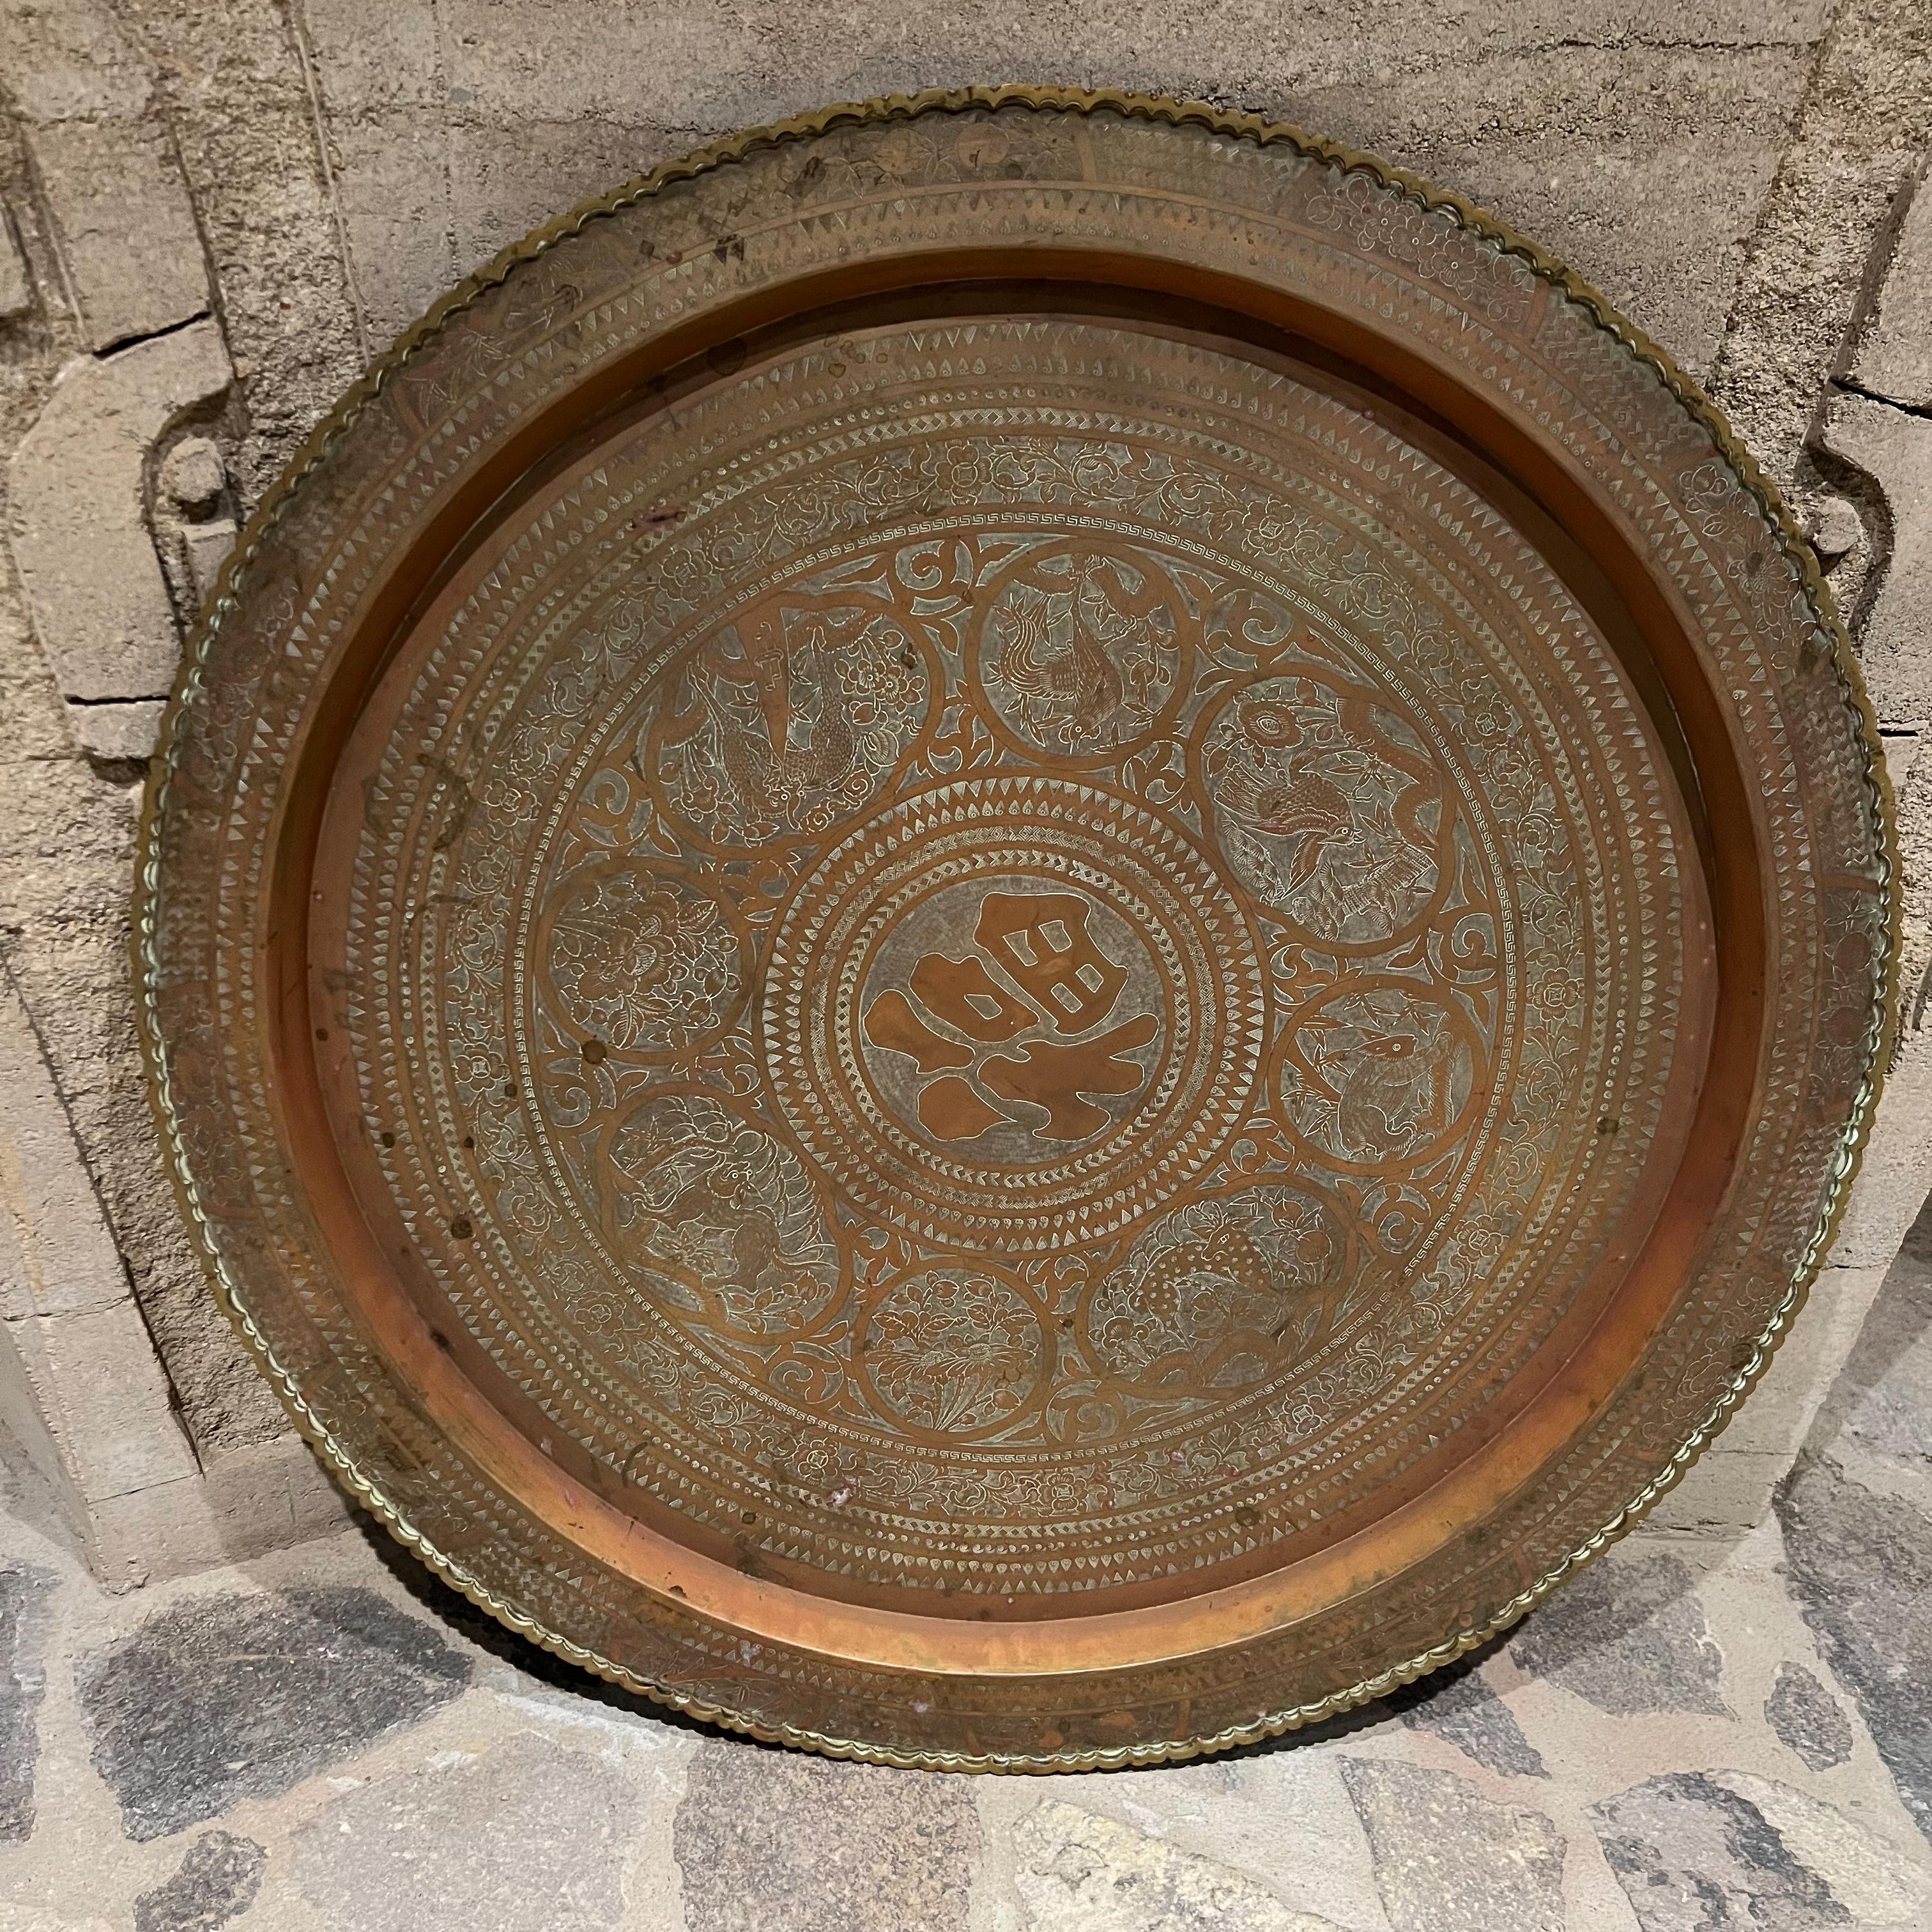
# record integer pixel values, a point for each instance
(1017, 931)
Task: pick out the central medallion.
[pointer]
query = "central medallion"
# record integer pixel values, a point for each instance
(1014, 1013)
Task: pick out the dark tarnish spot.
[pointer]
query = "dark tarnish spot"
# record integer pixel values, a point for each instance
(218, 1882)
(769, 1838)
(459, 801)
(238, 1696)
(23, 1591)
(659, 518)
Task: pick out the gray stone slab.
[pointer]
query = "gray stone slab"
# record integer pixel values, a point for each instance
(1459, 1706)
(1447, 1859)
(1691, 1854)
(240, 1696)
(526, 1836)
(1629, 1634)
(217, 1881)
(1807, 1718)
(23, 1589)
(1078, 1873)
(1861, 1567)
(766, 1837)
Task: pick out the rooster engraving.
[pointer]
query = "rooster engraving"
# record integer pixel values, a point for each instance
(1324, 816)
(1081, 651)
(787, 716)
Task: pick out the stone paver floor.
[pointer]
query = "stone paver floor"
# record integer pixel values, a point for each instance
(1692, 1735)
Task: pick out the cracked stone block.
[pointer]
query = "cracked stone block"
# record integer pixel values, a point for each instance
(846, 1848)
(16, 286)
(117, 732)
(1078, 1873)
(123, 224)
(78, 488)
(23, 1590)
(1807, 1718)
(1694, 1850)
(526, 1836)
(208, 547)
(217, 1881)
(1894, 447)
(1447, 1859)
(1861, 1567)
(1459, 1707)
(1628, 1634)
(239, 1696)
(1895, 353)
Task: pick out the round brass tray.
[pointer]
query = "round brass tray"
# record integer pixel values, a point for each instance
(1016, 931)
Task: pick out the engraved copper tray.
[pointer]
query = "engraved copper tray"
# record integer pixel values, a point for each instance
(1017, 931)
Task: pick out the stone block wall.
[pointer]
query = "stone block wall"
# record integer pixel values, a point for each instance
(212, 211)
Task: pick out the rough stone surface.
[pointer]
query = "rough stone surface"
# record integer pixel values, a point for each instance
(66, 829)
(73, 1339)
(23, 1685)
(1078, 1873)
(237, 1695)
(1862, 1565)
(1448, 1859)
(192, 474)
(1629, 1634)
(1460, 1706)
(1802, 1712)
(526, 1837)
(217, 1881)
(1863, 122)
(846, 1848)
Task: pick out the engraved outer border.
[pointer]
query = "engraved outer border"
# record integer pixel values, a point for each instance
(207, 1168)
